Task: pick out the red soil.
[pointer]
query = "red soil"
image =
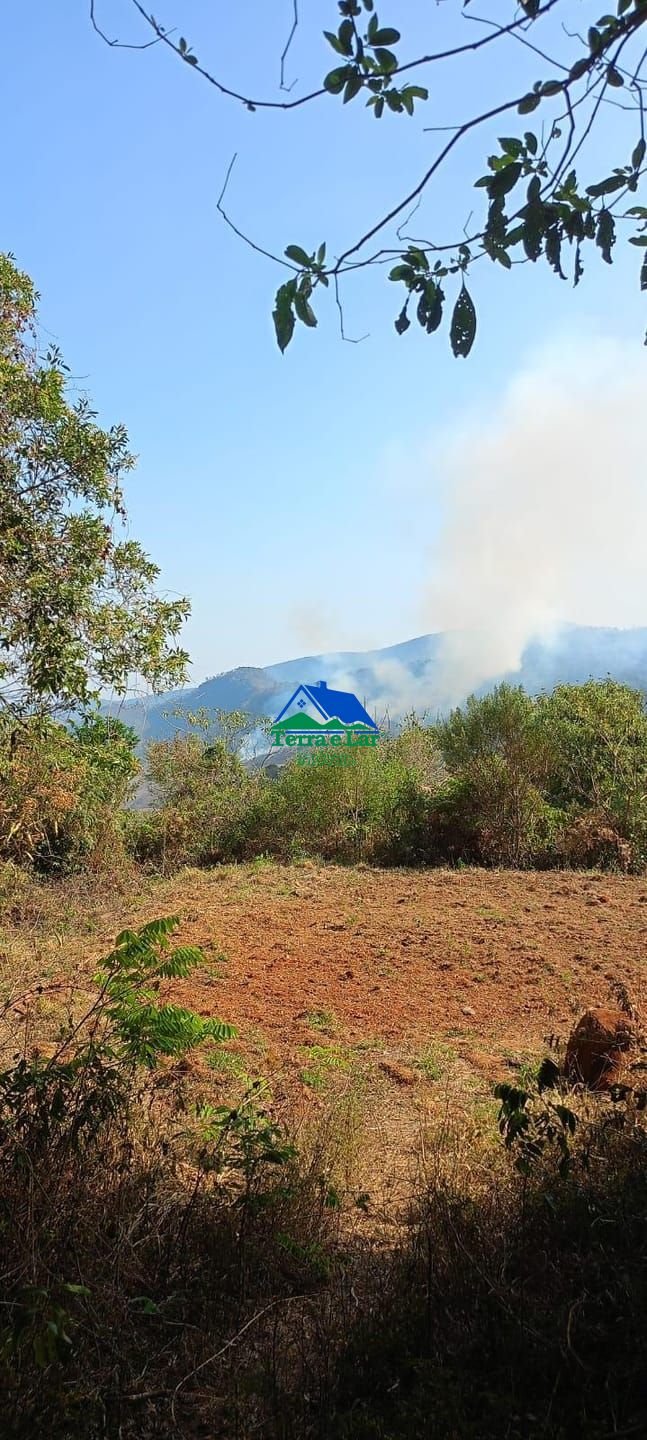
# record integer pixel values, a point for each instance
(490, 961)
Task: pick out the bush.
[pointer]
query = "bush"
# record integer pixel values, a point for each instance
(369, 806)
(62, 790)
(132, 1214)
(498, 757)
(597, 735)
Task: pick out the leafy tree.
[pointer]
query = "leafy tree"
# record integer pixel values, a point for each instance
(78, 611)
(498, 757)
(597, 735)
(543, 197)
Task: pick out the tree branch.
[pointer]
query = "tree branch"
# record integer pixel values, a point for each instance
(117, 44)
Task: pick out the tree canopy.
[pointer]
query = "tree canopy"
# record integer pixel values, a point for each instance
(78, 608)
(543, 197)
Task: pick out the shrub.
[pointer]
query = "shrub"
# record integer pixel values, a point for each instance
(62, 789)
(133, 1214)
(504, 780)
(498, 758)
(597, 736)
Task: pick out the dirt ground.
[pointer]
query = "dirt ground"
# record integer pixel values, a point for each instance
(485, 963)
(389, 998)
(488, 963)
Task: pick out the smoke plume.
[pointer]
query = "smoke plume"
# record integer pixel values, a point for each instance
(544, 512)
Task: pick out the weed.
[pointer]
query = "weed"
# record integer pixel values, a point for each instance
(320, 1060)
(435, 1060)
(321, 1020)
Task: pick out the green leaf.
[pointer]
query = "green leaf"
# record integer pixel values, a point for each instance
(614, 77)
(387, 60)
(294, 252)
(430, 306)
(336, 79)
(504, 180)
(643, 274)
(385, 37)
(402, 272)
(336, 43)
(552, 87)
(529, 103)
(579, 68)
(463, 327)
(180, 962)
(607, 187)
(605, 235)
(346, 36)
(638, 155)
(511, 145)
(321, 253)
(403, 322)
(553, 246)
(304, 310)
(283, 317)
(353, 85)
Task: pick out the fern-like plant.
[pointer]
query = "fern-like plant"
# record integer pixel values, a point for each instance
(143, 1029)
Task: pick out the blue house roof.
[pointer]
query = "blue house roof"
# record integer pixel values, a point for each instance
(339, 704)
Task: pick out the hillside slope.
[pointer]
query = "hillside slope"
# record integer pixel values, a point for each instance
(398, 677)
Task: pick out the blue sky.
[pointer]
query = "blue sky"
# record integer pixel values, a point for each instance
(297, 500)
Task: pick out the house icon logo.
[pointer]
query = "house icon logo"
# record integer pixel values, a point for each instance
(317, 717)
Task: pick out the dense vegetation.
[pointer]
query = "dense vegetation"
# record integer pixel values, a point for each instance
(560, 780)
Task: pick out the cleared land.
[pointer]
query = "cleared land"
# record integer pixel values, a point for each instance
(484, 965)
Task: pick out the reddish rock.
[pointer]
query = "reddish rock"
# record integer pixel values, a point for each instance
(594, 1054)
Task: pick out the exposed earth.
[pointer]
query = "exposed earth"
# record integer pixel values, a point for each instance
(486, 964)
(383, 998)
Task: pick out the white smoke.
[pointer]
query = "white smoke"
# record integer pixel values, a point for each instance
(545, 512)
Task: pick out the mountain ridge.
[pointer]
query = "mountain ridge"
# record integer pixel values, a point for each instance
(396, 678)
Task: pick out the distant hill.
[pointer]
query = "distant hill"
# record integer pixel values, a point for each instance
(397, 678)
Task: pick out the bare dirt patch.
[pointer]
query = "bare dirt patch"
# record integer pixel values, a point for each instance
(486, 962)
(415, 965)
(411, 965)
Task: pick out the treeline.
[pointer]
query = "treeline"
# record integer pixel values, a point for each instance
(507, 779)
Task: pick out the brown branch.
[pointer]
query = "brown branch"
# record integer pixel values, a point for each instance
(418, 189)
(295, 22)
(348, 338)
(254, 104)
(630, 25)
(117, 44)
(269, 255)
